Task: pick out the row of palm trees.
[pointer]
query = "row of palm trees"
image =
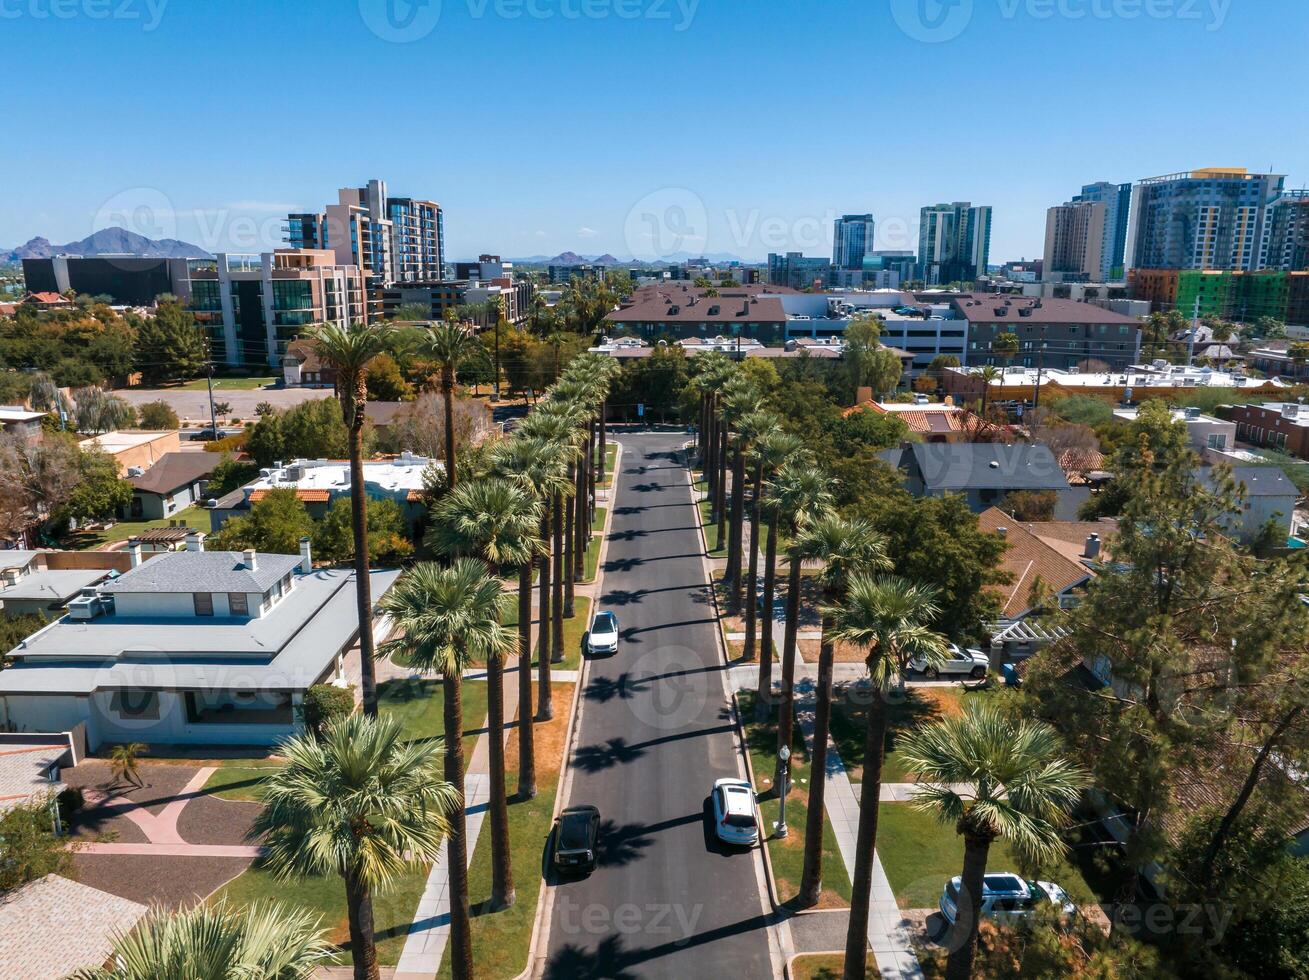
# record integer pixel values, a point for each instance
(361, 801)
(1021, 786)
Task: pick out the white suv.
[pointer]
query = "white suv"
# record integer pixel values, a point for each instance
(972, 662)
(1006, 896)
(736, 819)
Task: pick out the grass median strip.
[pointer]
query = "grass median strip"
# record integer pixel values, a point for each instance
(787, 855)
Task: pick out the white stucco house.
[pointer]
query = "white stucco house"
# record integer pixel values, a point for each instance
(190, 647)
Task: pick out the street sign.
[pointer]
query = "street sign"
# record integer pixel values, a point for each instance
(640, 410)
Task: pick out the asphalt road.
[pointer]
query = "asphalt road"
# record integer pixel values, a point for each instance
(666, 900)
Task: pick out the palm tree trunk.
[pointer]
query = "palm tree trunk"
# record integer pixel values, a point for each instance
(526, 740)
(588, 505)
(786, 717)
(604, 438)
(557, 620)
(570, 549)
(363, 585)
(870, 792)
(461, 947)
(764, 692)
(732, 578)
(963, 938)
(720, 489)
(544, 702)
(448, 395)
(580, 508)
(363, 944)
(502, 874)
(811, 880)
(752, 573)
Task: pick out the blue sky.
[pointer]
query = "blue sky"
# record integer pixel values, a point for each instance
(630, 126)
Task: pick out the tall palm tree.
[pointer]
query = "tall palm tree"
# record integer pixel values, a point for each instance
(451, 346)
(535, 466)
(349, 350)
(799, 494)
(445, 619)
(846, 547)
(770, 451)
(496, 521)
(362, 802)
(264, 940)
(888, 615)
(743, 419)
(1021, 791)
(987, 373)
(565, 418)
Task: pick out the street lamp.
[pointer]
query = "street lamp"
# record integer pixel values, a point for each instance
(783, 787)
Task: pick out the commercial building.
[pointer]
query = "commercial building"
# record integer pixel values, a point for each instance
(390, 239)
(795, 271)
(1214, 218)
(1027, 385)
(1283, 426)
(564, 274)
(438, 297)
(1060, 333)
(954, 242)
(133, 449)
(1287, 245)
(852, 240)
(128, 280)
(1226, 295)
(189, 647)
(253, 306)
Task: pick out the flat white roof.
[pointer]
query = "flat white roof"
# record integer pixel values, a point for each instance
(1137, 376)
(1179, 415)
(117, 441)
(10, 414)
(394, 475)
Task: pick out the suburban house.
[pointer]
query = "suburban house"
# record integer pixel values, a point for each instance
(174, 483)
(135, 449)
(301, 367)
(319, 482)
(984, 472)
(1269, 496)
(34, 583)
(189, 647)
(14, 419)
(1204, 431)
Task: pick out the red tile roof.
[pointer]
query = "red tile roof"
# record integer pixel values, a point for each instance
(308, 496)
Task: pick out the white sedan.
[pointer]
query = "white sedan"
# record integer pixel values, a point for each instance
(602, 637)
(972, 662)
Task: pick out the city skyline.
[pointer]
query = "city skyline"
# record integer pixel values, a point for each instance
(587, 181)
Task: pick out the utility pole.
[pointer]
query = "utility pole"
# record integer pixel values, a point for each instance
(1036, 388)
(1195, 326)
(213, 416)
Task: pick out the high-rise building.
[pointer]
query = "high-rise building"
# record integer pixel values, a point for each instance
(852, 239)
(1117, 201)
(796, 271)
(391, 239)
(954, 242)
(1074, 243)
(1287, 239)
(1214, 218)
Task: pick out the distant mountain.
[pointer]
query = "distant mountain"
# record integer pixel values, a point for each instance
(107, 241)
(605, 259)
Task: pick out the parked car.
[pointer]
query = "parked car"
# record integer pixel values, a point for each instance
(736, 819)
(602, 637)
(1005, 895)
(972, 662)
(577, 832)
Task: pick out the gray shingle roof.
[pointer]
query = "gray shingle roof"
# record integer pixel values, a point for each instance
(1259, 481)
(207, 571)
(175, 470)
(988, 466)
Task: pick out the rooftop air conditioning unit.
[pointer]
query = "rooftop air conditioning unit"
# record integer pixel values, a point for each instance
(1290, 410)
(84, 607)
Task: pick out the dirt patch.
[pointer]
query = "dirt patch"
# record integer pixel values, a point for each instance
(844, 653)
(167, 881)
(549, 736)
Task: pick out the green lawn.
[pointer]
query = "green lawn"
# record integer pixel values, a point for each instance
(611, 457)
(574, 627)
(920, 854)
(91, 540)
(240, 779)
(921, 705)
(418, 705)
(828, 966)
(787, 856)
(225, 384)
(711, 530)
(591, 565)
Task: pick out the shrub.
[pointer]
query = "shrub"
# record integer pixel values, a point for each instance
(29, 848)
(324, 704)
(158, 415)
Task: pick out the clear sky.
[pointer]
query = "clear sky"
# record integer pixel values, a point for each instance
(630, 126)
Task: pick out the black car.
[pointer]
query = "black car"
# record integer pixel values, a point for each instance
(576, 832)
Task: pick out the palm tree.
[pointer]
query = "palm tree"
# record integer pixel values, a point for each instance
(264, 940)
(451, 346)
(535, 466)
(889, 616)
(445, 619)
(749, 426)
(125, 762)
(362, 802)
(800, 494)
(1020, 790)
(847, 547)
(349, 350)
(496, 521)
(770, 451)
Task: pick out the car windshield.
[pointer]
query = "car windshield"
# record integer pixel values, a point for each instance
(952, 890)
(604, 623)
(574, 831)
(739, 820)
